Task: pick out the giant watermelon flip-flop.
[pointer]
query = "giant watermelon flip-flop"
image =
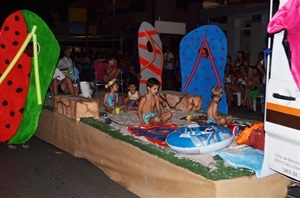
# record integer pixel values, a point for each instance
(15, 86)
(24, 78)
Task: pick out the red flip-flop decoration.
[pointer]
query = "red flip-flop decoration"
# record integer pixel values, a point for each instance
(14, 86)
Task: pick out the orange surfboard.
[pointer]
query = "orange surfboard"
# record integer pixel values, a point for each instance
(150, 55)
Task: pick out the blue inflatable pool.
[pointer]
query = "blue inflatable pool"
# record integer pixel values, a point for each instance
(196, 139)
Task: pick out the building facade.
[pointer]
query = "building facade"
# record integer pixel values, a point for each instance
(117, 21)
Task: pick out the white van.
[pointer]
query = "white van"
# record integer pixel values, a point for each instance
(282, 111)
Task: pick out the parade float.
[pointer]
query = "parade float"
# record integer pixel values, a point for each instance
(142, 166)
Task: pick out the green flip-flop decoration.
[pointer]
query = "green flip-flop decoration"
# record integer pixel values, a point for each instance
(46, 61)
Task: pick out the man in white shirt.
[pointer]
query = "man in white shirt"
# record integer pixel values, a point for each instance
(168, 68)
(67, 66)
(61, 82)
(65, 62)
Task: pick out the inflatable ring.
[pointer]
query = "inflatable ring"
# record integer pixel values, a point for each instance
(195, 139)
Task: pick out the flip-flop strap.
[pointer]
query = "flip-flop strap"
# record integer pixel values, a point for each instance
(194, 68)
(206, 44)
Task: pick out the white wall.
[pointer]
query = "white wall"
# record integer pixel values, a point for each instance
(236, 15)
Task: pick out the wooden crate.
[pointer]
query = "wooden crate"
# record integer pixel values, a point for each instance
(77, 107)
(180, 101)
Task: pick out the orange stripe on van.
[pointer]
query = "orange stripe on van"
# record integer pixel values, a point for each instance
(283, 109)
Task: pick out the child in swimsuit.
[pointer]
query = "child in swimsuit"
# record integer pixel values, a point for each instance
(111, 97)
(212, 114)
(149, 110)
(132, 97)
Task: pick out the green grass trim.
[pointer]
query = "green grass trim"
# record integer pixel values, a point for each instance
(221, 171)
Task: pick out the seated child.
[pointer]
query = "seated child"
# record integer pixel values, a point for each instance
(149, 110)
(132, 99)
(212, 113)
(111, 97)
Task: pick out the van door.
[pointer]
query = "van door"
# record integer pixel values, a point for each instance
(282, 117)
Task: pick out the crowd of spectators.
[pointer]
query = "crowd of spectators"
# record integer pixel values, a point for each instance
(127, 62)
(241, 77)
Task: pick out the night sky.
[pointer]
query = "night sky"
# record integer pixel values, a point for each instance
(41, 8)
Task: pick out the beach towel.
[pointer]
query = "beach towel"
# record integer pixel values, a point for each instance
(155, 133)
(245, 157)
